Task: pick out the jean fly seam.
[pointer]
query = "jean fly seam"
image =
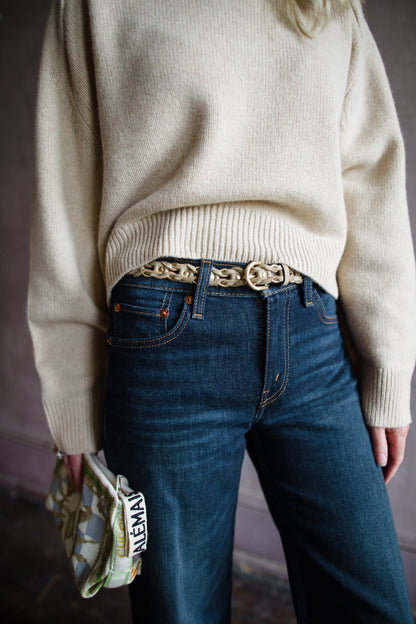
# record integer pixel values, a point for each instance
(266, 297)
(283, 386)
(266, 366)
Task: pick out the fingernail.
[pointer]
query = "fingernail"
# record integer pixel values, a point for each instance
(382, 460)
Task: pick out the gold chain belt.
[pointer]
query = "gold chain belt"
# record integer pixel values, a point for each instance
(257, 275)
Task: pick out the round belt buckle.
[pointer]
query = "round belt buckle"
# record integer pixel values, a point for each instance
(248, 277)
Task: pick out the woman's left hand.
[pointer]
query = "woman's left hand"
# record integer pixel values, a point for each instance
(388, 447)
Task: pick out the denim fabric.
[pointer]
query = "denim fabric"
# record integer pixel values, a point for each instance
(196, 375)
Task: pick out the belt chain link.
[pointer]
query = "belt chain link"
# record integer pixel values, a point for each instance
(257, 275)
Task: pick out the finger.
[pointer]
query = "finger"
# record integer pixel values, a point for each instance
(392, 467)
(380, 445)
(396, 439)
(73, 465)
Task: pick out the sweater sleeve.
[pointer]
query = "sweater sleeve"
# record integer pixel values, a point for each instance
(376, 275)
(66, 302)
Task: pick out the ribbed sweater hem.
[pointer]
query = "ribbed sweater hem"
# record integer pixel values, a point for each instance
(226, 232)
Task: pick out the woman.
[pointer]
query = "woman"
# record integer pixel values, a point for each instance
(210, 177)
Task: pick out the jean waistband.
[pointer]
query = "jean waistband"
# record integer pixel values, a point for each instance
(200, 284)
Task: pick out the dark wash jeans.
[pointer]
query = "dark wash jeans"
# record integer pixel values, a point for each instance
(228, 368)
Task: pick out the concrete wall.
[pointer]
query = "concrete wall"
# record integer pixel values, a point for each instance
(25, 444)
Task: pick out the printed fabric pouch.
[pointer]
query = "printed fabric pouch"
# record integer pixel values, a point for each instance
(103, 527)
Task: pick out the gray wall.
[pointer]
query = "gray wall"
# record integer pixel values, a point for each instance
(25, 444)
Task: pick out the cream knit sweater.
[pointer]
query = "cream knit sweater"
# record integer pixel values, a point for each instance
(208, 128)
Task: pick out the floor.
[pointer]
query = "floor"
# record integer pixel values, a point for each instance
(37, 588)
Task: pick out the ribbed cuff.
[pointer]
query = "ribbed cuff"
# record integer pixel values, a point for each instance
(74, 422)
(385, 397)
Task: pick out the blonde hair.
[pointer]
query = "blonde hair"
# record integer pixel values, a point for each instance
(308, 16)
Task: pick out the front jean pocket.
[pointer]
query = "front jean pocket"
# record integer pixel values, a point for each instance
(141, 317)
(325, 305)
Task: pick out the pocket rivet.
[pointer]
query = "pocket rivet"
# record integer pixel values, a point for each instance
(189, 299)
(117, 307)
(164, 312)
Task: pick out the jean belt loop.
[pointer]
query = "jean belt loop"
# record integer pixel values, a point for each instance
(308, 291)
(202, 284)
